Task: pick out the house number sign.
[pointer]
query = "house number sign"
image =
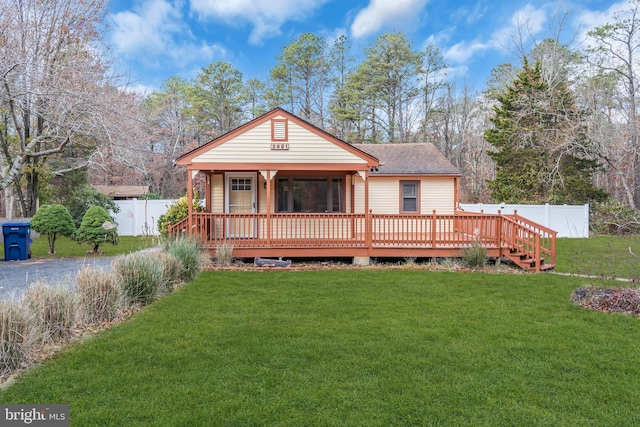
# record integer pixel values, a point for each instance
(279, 145)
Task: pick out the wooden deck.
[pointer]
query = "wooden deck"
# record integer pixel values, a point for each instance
(529, 245)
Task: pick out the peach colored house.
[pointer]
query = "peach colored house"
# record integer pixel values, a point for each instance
(281, 187)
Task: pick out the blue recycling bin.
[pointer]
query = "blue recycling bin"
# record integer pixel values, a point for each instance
(17, 240)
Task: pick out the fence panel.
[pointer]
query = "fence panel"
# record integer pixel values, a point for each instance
(567, 220)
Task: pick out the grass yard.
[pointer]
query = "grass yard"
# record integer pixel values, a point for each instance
(65, 247)
(611, 256)
(367, 347)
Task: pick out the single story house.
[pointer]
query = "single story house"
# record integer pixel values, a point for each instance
(279, 186)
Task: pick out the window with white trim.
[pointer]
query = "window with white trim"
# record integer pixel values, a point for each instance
(409, 196)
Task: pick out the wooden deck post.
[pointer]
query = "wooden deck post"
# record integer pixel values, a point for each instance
(369, 229)
(537, 258)
(433, 229)
(190, 201)
(499, 233)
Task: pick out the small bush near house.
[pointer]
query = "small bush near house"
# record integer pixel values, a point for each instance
(18, 334)
(476, 255)
(96, 228)
(53, 220)
(56, 310)
(141, 277)
(188, 251)
(100, 295)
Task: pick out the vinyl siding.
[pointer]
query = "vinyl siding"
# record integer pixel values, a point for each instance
(384, 195)
(217, 193)
(254, 146)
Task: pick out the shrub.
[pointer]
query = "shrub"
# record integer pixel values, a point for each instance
(141, 278)
(100, 295)
(224, 255)
(96, 228)
(476, 255)
(178, 211)
(18, 332)
(53, 220)
(189, 252)
(615, 218)
(56, 309)
(83, 197)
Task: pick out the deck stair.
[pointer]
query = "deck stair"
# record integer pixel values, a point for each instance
(525, 261)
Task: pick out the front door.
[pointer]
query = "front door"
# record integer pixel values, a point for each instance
(241, 199)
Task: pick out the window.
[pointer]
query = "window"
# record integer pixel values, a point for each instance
(310, 195)
(241, 184)
(409, 196)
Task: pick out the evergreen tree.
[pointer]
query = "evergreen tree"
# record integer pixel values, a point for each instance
(53, 220)
(542, 152)
(97, 228)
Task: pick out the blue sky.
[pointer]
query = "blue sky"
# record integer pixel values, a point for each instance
(155, 39)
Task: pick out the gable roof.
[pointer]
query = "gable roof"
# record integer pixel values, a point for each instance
(187, 158)
(409, 159)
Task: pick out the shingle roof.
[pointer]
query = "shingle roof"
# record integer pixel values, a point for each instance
(409, 159)
(123, 190)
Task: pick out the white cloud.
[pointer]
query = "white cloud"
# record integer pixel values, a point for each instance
(385, 13)
(155, 32)
(266, 16)
(461, 52)
(527, 19)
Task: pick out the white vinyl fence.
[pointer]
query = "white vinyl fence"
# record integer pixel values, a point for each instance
(140, 217)
(568, 221)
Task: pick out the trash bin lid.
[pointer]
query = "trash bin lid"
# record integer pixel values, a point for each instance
(16, 224)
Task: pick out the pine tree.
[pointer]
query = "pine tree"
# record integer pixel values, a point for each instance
(542, 153)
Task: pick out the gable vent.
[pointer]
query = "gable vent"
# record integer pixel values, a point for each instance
(279, 131)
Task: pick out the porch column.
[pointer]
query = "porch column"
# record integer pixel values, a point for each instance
(268, 176)
(190, 175)
(207, 195)
(189, 201)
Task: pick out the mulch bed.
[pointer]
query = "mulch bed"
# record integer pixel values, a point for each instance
(611, 300)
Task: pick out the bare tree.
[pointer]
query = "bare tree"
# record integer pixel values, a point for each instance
(616, 51)
(55, 93)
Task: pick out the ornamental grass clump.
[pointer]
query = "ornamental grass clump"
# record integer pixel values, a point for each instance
(188, 251)
(476, 255)
(224, 255)
(141, 277)
(56, 310)
(100, 295)
(18, 334)
(171, 269)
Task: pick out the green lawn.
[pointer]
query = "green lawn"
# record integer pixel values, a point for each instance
(611, 256)
(65, 247)
(368, 347)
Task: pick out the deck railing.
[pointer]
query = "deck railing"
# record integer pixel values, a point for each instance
(342, 230)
